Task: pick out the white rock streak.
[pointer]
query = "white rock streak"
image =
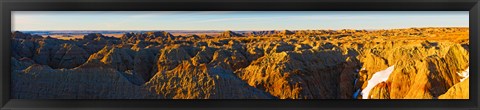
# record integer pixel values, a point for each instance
(378, 77)
(465, 74)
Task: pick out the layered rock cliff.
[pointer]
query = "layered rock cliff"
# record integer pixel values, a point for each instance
(425, 63)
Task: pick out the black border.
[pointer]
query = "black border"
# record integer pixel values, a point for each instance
(236, 5)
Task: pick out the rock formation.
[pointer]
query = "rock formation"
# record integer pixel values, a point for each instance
(119, 58)
(300, 75)
(143, 63)
(458, 91)
(43, 82)
(424, 69)
(68, 56)
(229, 33)
(187, 81)
(422, 63)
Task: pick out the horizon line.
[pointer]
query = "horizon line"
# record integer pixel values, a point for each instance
(246, 30)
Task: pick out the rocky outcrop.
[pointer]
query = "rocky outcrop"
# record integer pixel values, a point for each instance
(422, 76)
(23, 48)
(229, 33)
(143, 63)
(57, 53)
(43, 82)
(286, 32)
(381, 91)
(160, 36)
(125, 37)
(46, 50)
(253, 53)
(204, 56)
(93, 36)
(422, 63)
(68, 56)
(21, 64)
(20, 35)
(458, 91)
(187, 81)
(301, 75)
(270, 33)
(261, 33)
(139, 45)
(120, 58)
(231, 60)
(170, 57)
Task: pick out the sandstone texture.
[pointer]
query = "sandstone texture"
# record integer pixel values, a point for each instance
(425, 63)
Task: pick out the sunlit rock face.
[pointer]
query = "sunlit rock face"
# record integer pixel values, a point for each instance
(229, 33)
(413, 63)
(302, 75)
(188, 81)
(425, 74)
(458, 91)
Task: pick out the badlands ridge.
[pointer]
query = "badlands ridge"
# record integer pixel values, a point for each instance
(412, 63)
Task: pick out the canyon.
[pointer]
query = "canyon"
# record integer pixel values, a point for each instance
(409, 63)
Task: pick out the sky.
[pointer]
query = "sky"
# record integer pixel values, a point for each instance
(233, 20)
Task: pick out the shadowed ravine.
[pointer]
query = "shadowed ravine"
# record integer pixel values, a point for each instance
(429, 63)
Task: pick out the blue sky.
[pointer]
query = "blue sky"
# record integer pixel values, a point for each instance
(233, 20)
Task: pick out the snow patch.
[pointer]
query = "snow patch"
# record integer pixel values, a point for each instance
(378, 77)
(465, 74)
